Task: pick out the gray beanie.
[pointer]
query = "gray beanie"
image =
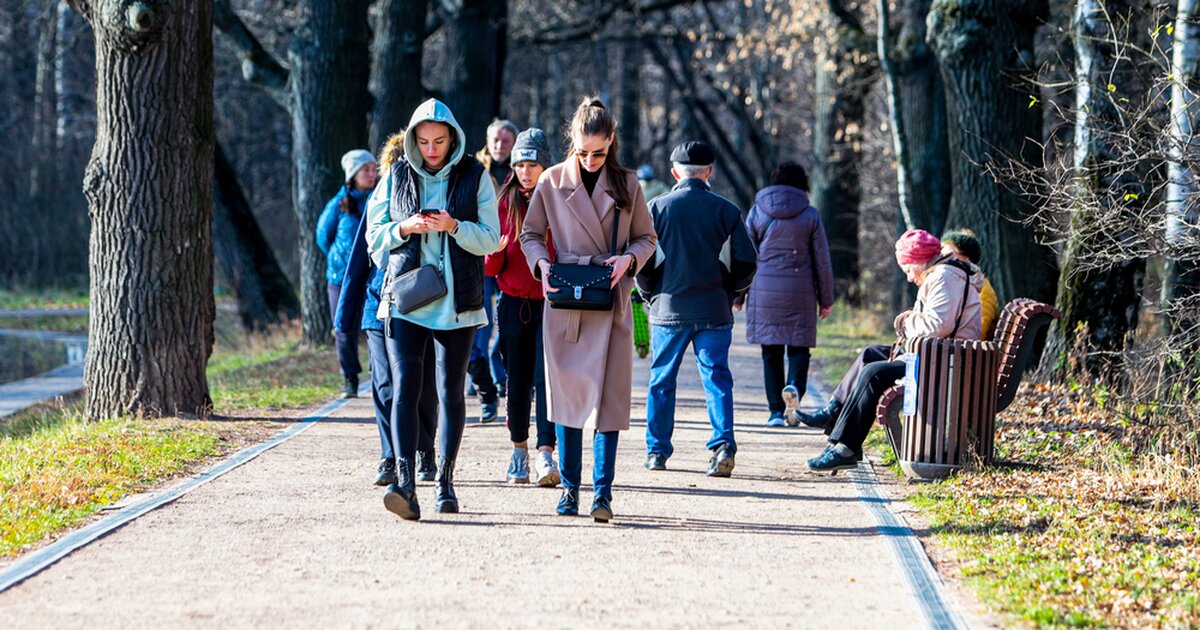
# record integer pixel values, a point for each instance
(531, 146)
(354, 160)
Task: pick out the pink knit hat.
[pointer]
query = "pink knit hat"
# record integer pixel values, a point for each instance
(917, 247)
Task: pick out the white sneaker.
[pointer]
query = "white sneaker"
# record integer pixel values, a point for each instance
(547, 470)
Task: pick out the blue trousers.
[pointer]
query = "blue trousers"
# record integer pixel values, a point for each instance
(711, 347)
(570, 459)
(347, 342)
(484, 347)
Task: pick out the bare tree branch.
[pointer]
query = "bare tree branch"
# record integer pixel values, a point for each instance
(258, 66)
(588, 29)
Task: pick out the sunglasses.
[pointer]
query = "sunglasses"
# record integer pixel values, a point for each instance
(583, 155)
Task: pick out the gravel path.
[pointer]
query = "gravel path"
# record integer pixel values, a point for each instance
(299, 537)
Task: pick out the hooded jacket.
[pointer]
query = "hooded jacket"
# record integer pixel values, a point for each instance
(795, 273)
(335, 231)
(476, 238)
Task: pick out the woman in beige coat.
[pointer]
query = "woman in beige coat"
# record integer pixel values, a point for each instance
(589, 354)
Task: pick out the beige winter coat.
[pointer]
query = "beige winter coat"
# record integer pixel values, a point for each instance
(589, 354)
(939, 304)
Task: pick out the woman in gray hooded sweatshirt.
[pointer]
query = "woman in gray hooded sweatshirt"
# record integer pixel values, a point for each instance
(437, 207)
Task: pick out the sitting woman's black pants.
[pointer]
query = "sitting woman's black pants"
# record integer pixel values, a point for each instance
(858, 412)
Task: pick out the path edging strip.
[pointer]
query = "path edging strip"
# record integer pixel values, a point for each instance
(42, 559)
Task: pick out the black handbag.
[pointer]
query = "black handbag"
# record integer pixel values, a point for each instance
(416, 288)
(584, 287)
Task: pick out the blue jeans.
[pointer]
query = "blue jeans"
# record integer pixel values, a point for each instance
(711, 347)
(604, 455)
(484, 346)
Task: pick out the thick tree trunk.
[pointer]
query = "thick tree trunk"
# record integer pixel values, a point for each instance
(396, 52)
(149, 190)
(246, 262)
(1181, 282)
(985, 48)
(330, 60)
(478, 43)
(918, 116)
(845, 68)
(1107, 300)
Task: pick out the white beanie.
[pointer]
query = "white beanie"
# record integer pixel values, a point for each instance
(354, 160)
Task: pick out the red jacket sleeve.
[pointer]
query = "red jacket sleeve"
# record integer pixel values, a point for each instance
(493, 264)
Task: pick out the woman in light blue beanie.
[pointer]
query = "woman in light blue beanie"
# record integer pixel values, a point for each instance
(335, 236)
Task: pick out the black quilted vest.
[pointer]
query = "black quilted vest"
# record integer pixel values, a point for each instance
(463, 206)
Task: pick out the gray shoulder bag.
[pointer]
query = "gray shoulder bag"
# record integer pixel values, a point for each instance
(421, 286)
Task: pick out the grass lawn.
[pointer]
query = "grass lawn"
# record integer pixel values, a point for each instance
(44, 298)
(77, 324)
(56, 470)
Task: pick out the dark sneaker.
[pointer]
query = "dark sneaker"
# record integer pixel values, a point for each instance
(387, 472)
(568, 503)
(721, 464)
(349, 387)
(491, 411)
(654, 461)
(426, 466)
(776, 420)
(601, 510)
(822, 418)
(502, 389)
(830, 461)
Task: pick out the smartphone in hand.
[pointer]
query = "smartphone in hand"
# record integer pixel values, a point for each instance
(429, 211)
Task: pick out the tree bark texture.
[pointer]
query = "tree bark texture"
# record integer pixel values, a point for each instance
(149, 191)
(1181, 281)
(1106, 300)
(985, 50)
(478, 40)
(631, 104)
(264, 295)
(846, 66)
(330, 61)
(918, 116)
(396, 51)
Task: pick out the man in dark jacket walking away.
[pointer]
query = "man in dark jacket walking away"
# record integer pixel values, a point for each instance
(705, 259)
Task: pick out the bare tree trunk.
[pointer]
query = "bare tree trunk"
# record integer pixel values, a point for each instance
(1106, 300)
(396, 52)
(264, 295)
(149, 190)
(631, 103)
(478, 44)
(985, 49)
(44, 160)
(329, 60)
(1181, 282)
(845, 69)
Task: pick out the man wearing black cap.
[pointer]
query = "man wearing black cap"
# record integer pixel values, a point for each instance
(705, 259)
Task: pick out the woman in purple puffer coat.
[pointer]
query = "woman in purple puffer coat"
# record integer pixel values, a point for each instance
(794, 281)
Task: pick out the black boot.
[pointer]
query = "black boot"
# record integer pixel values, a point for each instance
(447, 503)
(821, 418)
(387, 472)
(401, 497)
(426, 466)
(568, 503)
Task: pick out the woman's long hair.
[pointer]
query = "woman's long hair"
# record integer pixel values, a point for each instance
(517, 201)
(592, 118)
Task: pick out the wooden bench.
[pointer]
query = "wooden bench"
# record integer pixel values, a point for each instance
(961, 386)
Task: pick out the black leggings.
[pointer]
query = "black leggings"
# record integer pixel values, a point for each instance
(520, 344)
(858, 414)
(406, 351)
(773, 375)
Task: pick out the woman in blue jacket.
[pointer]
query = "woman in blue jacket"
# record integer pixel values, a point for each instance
(335, 236)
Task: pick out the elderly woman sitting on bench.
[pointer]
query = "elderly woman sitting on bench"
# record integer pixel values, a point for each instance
(947, 306)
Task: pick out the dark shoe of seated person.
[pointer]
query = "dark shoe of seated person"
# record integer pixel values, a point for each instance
(387, 472)
(833, 460)
(822, 418)
(654, 461)
(721, 463)
(349, 387)
(601, 510)
(568, 503)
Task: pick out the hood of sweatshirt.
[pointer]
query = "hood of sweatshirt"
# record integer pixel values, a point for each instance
(433, 110)
(782, 202)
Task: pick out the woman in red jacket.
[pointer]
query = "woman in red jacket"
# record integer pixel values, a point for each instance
(520, 313)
